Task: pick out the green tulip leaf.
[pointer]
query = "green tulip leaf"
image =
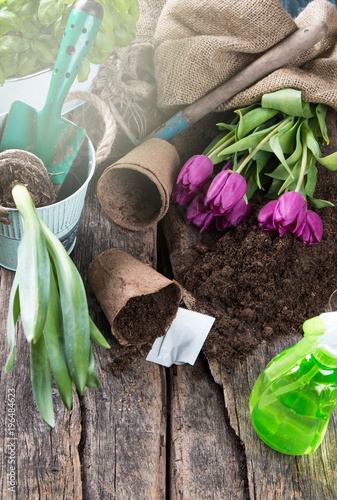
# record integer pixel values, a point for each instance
(249, 142)
(310, 140)
(320, 203)
(298, 150)
(311, 179)
(33, 267)
(41, 380)
(13, 314)
(255, 117)
(329, 161)
(218, 143)
(276, 148)
(92, 380)
(252, 186)
(54, 339)
(287, 101)
(96, 335)
(321, 110)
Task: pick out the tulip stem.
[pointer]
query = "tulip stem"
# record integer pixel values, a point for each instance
(248, 157)
(303, 167)
(221, 147)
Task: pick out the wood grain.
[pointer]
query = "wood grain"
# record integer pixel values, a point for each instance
(123, 449)
(46, 461)
(272, 475)
(112, 444)
(205, 455)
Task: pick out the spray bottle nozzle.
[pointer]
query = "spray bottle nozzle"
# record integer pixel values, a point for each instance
(322, 330)
(314, 327)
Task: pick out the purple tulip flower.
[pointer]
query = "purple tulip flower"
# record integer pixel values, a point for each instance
(195, 173)
(181, 195)
(225, 191)
(199, 213)
(234, 216)
(290, 212)
(312, 230)
(266, 215)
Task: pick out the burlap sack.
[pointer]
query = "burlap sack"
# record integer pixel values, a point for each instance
(200, 44)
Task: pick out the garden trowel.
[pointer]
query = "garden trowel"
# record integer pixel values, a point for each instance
(282, 54)
(45, 133)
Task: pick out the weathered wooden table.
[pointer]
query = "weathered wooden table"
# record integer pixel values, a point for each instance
(148, 433)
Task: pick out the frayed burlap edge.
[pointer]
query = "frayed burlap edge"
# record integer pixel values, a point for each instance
(201, 44)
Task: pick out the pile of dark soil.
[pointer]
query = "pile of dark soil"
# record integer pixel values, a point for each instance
(257, 285)
(143, 319)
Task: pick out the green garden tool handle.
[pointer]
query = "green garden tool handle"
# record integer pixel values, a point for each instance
(82, 27)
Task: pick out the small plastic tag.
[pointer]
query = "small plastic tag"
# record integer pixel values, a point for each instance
(183, 339)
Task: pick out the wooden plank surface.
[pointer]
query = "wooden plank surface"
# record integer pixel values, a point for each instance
(148, 433)
(124, 421)
(46, 462)
(205, 456)
(272, 475)
(111, 444)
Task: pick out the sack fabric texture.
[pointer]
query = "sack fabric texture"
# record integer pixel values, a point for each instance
(200, 44)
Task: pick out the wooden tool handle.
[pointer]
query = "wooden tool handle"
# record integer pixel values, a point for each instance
(278, 56)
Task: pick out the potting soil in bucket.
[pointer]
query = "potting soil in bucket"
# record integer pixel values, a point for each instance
(62, 217)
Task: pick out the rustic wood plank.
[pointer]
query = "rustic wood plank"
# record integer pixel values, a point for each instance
(96, 447)
(46, 462)
(206, 459)
(205, 455)
(123, 449)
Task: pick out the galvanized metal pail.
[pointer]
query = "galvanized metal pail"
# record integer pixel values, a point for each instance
(62, 217)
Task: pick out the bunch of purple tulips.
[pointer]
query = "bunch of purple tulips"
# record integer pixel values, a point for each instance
(222, 200)
(272, 146)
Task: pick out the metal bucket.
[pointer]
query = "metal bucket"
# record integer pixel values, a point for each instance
(62, 217)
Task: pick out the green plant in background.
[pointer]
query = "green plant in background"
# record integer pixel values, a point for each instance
(31, 32)
(49, 294)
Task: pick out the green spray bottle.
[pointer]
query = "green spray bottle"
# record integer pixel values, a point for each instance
(293, 398)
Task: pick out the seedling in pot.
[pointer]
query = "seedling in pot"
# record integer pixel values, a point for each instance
(49, 294)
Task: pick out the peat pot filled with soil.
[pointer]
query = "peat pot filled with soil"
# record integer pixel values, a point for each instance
(139, 302)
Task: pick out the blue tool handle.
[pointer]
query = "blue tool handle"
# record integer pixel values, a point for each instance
(82, 27)
(178, 123)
